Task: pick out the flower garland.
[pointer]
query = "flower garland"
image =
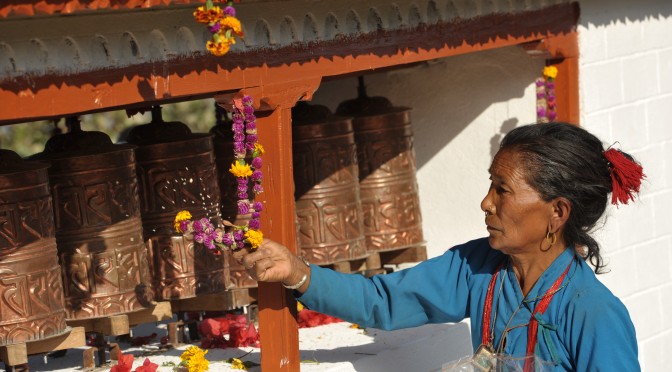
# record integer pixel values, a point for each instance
(222, 24)
(245, 142)
(545, 87)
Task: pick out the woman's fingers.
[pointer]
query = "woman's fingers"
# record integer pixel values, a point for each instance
(271, 261)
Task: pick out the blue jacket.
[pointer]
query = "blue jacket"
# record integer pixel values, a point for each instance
(585, 328)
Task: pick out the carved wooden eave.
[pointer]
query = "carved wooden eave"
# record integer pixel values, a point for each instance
(78, 56)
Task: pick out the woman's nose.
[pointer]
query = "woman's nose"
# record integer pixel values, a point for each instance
(486, 203)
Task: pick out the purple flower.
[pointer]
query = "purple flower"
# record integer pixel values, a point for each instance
(215, 27)
(257, 188)
(243, 207)
(197, 226)
(551, 115)
(227, 239)
(199, 237)
(242, 195)
(251, 126)
(249, 146)
(238, 235)
(248, 110)
(242, 188)
(254, 224)
(231, 12)
(256, 176)
(256, 215)
(218, 236)
(238, 137)
(186, 226)
(256, 162)
(239, 147)
(247, 100)
(238, 127)
(541, 112)
(539, 82)
(541, 95)
(209, 242)
(258, 206)
(250, 118)
(550, 85)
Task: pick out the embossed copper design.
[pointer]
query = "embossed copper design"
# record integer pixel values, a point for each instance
(31, 288)
(98, 227)
(327, 188)
(223, 147)
(388, 186)
(176, 169)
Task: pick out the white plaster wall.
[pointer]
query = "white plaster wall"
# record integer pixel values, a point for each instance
(463, 105)
(626, 96)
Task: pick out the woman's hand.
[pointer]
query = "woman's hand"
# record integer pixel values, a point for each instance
(273, 262)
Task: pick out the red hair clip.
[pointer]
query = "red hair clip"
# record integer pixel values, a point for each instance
(626, 176)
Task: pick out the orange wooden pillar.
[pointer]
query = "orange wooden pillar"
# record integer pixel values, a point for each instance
(278, 329)
(564, 51)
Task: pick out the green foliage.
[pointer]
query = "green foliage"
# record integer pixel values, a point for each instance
(29, 138)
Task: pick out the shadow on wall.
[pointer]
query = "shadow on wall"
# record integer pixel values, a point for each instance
(447, 95)
(594, 13)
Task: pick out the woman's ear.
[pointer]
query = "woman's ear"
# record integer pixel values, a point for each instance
(561, 210)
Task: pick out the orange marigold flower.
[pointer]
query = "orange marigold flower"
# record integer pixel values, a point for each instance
(207, 16)
(218, 49)
(233, 24)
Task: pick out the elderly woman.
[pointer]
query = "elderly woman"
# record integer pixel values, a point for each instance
(527, 286)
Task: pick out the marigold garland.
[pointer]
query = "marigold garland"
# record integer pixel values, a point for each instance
(545, 87)
(222, 24)
(245, 142)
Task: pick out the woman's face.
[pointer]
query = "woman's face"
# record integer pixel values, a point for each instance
(519, 218)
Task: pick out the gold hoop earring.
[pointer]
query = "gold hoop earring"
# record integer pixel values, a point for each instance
(551, 238)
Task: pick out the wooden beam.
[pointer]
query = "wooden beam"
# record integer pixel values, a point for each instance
(17, 354)
(182, 78)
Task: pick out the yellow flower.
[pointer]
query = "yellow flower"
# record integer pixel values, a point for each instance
(218, 49)
(254, 237)
(181, 216)
(233, 24)
(299, 306)
(240, 169)
(238, 364)
(259, 149)
(550, 72)
(207, 16)
(194, 358)
(198, 364)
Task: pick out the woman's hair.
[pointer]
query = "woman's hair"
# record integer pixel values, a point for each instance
(563, 160)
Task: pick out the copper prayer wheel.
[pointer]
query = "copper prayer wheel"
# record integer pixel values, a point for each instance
(176, 169)
(387, 181)
(327, 189)
(223, 148)
(97, 219)
(31, 287)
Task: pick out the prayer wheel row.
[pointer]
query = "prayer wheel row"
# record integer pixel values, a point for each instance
(86, 228)
(354, 174)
